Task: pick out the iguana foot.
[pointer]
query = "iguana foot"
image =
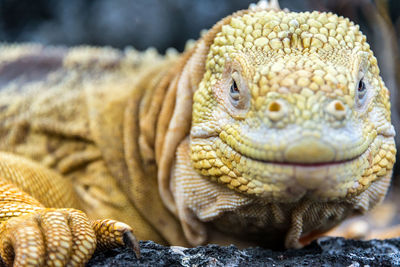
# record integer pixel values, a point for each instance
(111, 234)
(59, 237)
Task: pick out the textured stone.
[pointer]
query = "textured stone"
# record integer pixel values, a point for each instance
(323, 252)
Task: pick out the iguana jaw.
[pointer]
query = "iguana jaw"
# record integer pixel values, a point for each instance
(290, 182)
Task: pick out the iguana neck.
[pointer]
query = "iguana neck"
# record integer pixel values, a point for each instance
(150, 131)
(150, 111)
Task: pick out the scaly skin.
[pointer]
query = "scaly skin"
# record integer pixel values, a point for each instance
(282, 141)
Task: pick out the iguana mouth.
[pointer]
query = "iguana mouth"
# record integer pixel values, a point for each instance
(319, 162)
(313, 164)
(291, 180)
(293, 147)
(309, 164)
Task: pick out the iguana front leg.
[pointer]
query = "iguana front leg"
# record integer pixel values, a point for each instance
(32, 234)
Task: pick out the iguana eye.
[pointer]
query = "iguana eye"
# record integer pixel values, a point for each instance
(234, 92)
(362, 94)
(238, 92)
(362, 90)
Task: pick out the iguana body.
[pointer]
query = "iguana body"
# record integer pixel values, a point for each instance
(275, 125)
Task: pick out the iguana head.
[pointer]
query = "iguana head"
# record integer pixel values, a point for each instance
(291, 105)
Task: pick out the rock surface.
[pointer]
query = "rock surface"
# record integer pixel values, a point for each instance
(323, 252)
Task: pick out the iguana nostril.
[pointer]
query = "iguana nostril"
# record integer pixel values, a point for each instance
(276, 110)
(274, 107)
(339, 106)
(337, 109)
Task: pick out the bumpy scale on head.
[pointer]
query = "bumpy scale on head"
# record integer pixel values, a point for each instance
(301, 73)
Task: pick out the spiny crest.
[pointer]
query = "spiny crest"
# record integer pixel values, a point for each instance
(284, 33)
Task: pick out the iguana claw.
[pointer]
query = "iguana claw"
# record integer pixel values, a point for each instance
(111, 234)
(130, 241)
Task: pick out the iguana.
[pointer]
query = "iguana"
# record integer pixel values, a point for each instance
(275, 125)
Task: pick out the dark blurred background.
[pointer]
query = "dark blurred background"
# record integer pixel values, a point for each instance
(141, 23)
(170, 23)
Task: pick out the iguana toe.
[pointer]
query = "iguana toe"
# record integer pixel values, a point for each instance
(111, 234)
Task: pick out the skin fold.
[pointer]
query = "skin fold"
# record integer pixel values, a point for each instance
(273, 127)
